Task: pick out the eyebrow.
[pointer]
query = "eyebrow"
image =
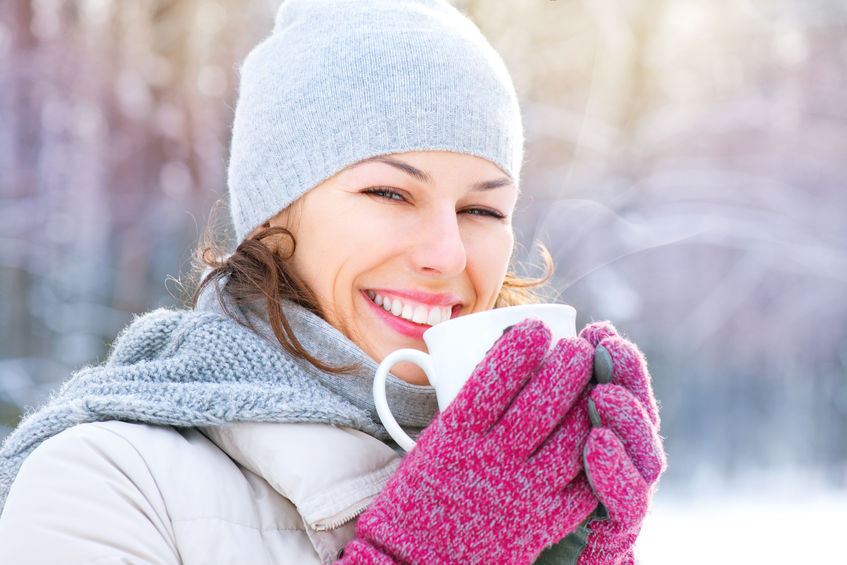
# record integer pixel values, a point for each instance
(425, 177)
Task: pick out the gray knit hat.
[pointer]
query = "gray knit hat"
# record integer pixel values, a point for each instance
(338, 81)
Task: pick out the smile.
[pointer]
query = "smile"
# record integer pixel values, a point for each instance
(411, 310)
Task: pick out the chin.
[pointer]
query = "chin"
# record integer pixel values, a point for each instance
(413, 377)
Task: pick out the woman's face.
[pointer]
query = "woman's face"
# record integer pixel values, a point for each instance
(394, 244)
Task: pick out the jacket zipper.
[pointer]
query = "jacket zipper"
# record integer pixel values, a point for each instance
(341, 518)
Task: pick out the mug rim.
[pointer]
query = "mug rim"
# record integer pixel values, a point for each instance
(460, 319)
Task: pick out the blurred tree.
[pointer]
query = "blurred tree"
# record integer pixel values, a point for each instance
(684, 164)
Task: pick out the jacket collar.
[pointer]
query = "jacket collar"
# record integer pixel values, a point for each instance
(330, 474)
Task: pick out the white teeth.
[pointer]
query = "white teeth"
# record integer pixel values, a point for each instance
(407, 312)
(420, 314)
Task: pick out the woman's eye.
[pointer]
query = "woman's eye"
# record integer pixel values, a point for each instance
(484, 212)
(383, 192)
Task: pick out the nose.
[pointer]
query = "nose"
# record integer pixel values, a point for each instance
(438, 248)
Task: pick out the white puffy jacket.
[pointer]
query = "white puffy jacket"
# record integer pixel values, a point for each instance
(117, 492)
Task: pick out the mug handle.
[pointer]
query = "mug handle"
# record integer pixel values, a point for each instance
(420, 359)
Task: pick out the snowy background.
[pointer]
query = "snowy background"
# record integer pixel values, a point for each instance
(685, 165)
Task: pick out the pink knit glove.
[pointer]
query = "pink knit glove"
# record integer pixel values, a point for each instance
(623, 455)
(497, 476)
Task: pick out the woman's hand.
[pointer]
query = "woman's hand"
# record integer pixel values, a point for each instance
(623, 455)
(497, 477)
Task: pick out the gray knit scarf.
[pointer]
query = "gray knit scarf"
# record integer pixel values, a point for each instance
(200, 367)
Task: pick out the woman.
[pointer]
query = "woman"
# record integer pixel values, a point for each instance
(374, 172)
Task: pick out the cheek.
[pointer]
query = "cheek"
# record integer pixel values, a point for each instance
(488, 261)
(316, 259)
(333, 250)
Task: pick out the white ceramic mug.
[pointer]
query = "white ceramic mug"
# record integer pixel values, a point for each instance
(456, 347)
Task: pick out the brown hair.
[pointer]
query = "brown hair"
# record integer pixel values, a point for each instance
(257, 272)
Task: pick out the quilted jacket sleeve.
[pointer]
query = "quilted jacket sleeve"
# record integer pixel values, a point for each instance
(86, 496)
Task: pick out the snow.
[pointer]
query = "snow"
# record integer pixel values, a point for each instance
(806, 526)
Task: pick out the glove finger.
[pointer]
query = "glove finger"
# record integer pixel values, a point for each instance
(540, 406)
(615, 480)
(621, 412)
(596, 332)
(499, 377)
(575, 503)
(630, 371)
(608, 539)
(564, 511)
(560, 457)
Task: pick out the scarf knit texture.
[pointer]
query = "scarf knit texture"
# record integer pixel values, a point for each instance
(187, 368)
